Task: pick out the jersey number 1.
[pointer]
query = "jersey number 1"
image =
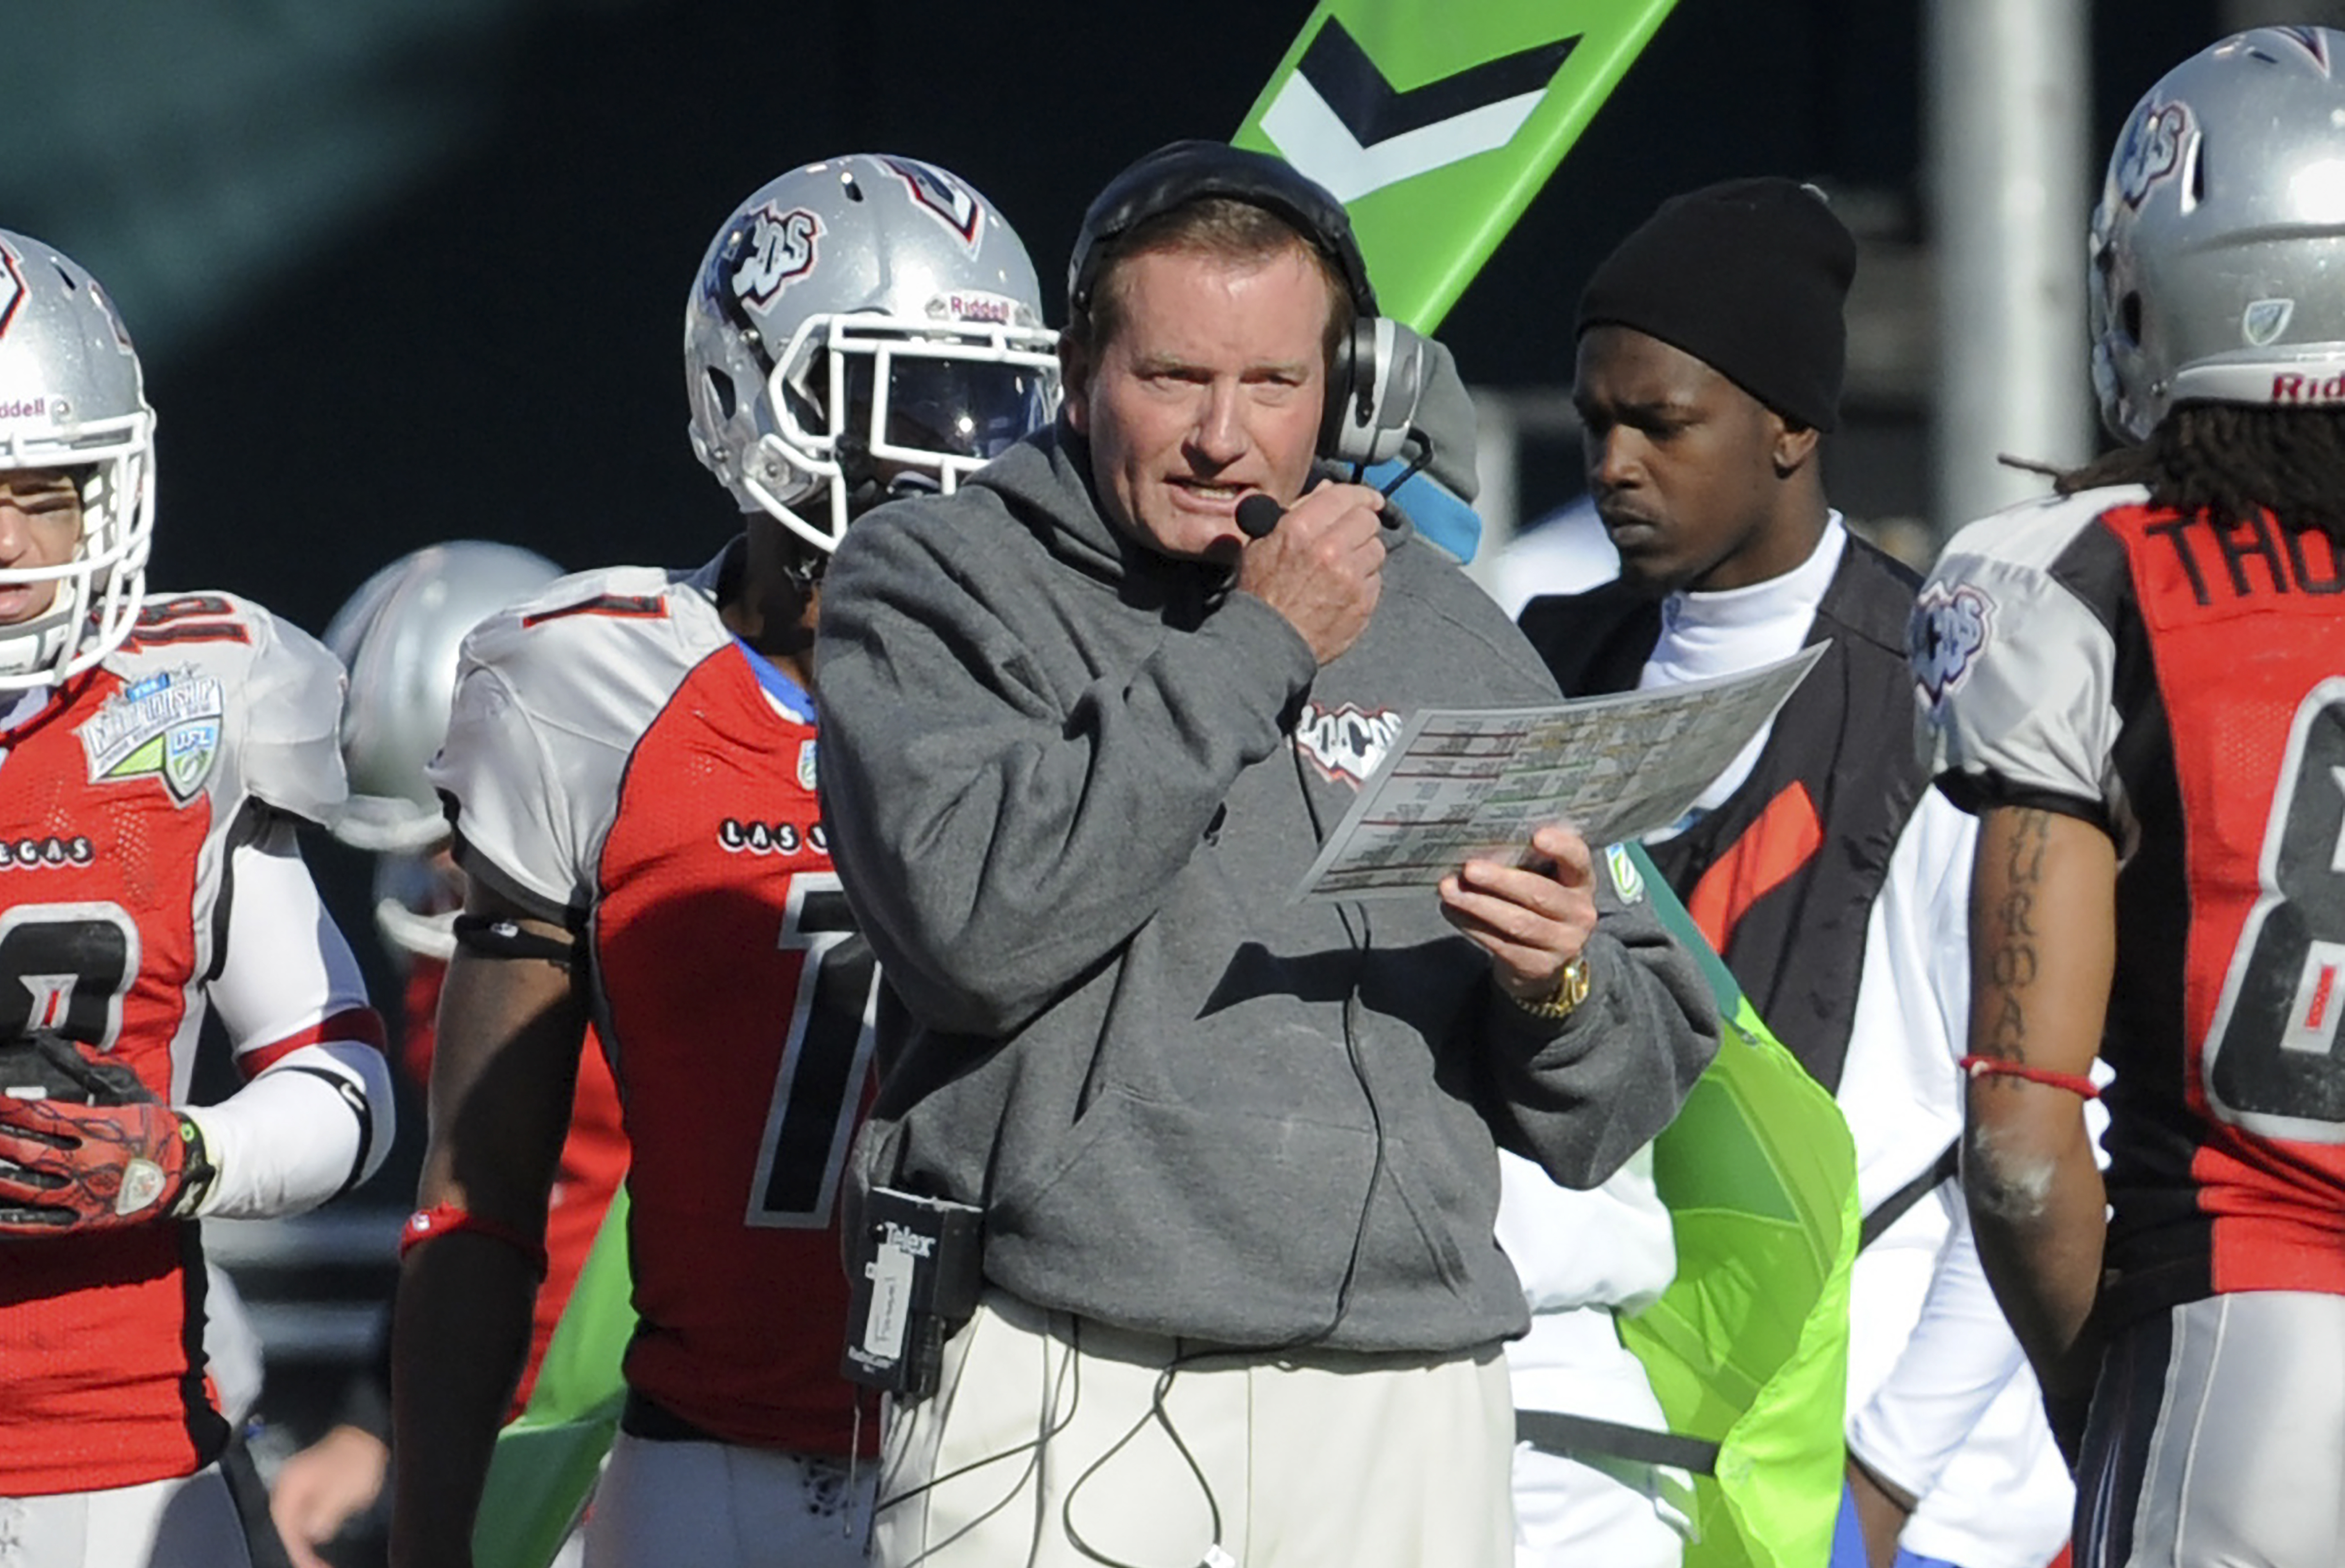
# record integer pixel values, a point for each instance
(818, 1091)
(2275, 1057)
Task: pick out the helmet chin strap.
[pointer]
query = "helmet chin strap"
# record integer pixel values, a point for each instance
(37, 647)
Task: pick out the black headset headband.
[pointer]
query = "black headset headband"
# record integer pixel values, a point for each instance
(1181, 172)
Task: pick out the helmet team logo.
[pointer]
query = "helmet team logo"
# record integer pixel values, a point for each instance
(166, 726)
(2152, 149)
(12, 289)
(1944, 638)
(2313, 41)
(778, 249)
(1345, 743)
(951, 203)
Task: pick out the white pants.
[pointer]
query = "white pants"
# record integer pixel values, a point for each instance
(187, 1522)
(722, 1505)
(2218, 1437)
(1056, 1442)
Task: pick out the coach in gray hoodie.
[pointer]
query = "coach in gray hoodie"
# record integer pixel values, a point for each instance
(1083, 738)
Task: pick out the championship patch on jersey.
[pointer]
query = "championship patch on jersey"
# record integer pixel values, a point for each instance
(1345, 743)
(1627, 880)
(1942, 639)
(166, 726)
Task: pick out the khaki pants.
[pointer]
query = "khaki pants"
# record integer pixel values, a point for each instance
(1059, 1442)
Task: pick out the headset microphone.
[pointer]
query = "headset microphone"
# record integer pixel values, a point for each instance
(1258, 515)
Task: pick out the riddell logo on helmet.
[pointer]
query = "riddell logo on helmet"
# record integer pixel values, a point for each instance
(993, 308)
(2288, 387)
(25, 409)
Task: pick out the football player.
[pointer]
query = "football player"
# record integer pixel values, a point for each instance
(154, 754)
(398, 636)
(2139, 685)
(631, 768)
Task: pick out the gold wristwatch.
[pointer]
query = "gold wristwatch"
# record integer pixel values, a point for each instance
(1570, 990)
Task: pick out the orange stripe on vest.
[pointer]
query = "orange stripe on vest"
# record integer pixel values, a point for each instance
(1786, 835)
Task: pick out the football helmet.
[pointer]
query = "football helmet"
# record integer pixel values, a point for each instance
(2220, 235)
(860, 328)
(71, 397)
(398, 636)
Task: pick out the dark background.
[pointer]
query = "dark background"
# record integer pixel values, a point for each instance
(478, 335)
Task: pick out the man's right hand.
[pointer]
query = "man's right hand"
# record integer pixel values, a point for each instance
(1322, 567)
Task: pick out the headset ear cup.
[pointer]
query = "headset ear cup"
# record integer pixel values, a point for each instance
(1356, 392)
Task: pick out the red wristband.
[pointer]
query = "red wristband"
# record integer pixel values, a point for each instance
(446, 1219)
(1999, 1068)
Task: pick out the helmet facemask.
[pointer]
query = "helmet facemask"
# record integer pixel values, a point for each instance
(861, 328)
(100, 589)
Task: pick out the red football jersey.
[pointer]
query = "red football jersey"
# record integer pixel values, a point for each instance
(618, 763)
(120, 808)
(2181, 685)
(2247, 637)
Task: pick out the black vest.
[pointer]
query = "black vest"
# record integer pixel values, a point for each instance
(1788, 867)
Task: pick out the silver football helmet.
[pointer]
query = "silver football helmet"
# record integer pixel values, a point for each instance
(861, 326)
(398, 636)
(71, 397)
(2219, 239)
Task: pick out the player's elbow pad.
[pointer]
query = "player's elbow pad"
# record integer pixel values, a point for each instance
(316, 1123)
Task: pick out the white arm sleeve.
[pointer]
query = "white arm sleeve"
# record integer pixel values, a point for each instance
(316, 1118)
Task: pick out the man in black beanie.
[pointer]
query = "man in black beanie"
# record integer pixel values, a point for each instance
(1833, 882)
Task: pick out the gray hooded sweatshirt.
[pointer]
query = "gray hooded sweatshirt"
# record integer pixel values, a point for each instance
(1070, 784)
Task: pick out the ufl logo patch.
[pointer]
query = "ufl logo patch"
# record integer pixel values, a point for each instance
(778, 249)
(1345, 743)
(941, 196)
(166, 726)
(2264, 320)
(1627, 880)
(1942, 640)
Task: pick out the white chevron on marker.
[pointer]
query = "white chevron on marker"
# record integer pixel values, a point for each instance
(1310, 135)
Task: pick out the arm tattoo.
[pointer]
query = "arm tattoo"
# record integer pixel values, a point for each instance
(2011, 965)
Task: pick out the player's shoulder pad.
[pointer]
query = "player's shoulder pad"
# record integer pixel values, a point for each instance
(2032, 534)
(624, 604)
(597, 653)
(282, 690)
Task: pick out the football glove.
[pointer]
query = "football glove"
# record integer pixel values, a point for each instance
(45, 1064)
(84, 1146)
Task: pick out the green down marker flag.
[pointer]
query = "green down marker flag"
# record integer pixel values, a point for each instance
(1435, 124)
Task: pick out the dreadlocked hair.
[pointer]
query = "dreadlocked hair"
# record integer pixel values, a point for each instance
(2234, 462)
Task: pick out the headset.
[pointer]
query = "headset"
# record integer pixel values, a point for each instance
(1377, 373)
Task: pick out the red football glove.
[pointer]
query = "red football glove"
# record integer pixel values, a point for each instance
(66, 1168)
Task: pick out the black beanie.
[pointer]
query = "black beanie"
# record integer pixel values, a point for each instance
(1747, 276)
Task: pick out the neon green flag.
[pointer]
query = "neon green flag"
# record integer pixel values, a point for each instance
(1749, 1348)
(1435, 124)
(547, 1457)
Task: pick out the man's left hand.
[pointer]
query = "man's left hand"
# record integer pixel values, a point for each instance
(66, 1168)
(1531, 920)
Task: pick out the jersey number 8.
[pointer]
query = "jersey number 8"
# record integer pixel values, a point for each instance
(2275, 1056)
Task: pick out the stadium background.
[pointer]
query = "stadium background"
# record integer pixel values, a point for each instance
(412, 269)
